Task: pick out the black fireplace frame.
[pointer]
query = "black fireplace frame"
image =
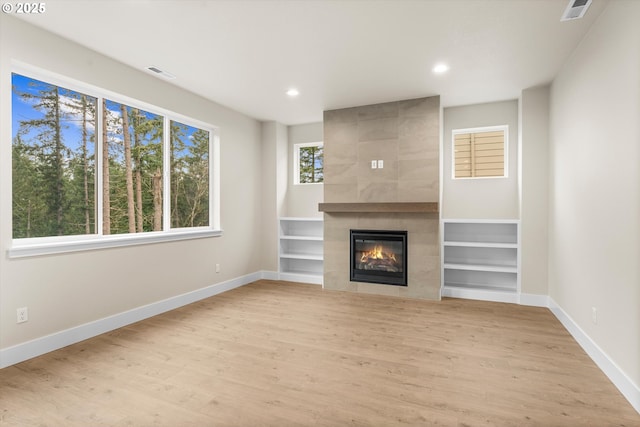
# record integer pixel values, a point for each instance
(379, 277)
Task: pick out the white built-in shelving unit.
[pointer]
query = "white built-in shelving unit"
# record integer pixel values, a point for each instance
(481, 259)
(301, 250)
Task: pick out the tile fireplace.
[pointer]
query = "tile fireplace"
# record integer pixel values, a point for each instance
(379, 256)
(403, 195)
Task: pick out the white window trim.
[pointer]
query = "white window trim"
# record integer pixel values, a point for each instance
(38, 246)
(504, 128)
(296, 161)
(22, 248)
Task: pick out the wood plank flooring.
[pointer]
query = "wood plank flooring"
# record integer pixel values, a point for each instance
(285, 354)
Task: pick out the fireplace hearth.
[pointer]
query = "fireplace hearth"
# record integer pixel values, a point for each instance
(379, 256)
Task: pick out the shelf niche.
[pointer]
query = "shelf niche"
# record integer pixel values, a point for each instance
(301, 250)
(481, 259)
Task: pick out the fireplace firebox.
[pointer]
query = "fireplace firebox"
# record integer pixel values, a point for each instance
(379, 256)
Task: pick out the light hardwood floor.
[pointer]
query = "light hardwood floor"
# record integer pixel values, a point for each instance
(284, 354)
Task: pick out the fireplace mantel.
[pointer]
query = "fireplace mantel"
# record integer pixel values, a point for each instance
(394, 207)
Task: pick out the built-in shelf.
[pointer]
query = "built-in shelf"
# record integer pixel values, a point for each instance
(302, 256)
(301, 250)
(318, 238)
(482, 245)
(481, 259)
(480, 267)
(391, 207)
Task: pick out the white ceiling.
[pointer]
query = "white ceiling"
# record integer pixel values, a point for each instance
(246, 54)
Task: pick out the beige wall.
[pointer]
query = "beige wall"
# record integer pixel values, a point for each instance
(534, 185)
(63, 291)
(274, 190)
(594, 204)
(490, 198)
(302, 200)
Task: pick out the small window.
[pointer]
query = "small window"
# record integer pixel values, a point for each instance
(308, 163)
(480, 152)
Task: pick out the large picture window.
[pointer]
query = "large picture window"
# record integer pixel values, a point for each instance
(89, 165)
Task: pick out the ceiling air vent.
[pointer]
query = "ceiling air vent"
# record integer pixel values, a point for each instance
(575, 9)
(157, 71)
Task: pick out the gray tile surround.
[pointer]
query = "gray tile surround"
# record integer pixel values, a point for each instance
(405, 134)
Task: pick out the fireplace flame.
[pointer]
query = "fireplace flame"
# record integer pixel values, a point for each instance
(377, 253)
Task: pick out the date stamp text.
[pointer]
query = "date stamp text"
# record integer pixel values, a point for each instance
(24, 8)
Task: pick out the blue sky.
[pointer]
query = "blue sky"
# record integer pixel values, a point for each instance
(24, 110)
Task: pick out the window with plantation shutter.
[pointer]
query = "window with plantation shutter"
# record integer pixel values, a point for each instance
(480, 152)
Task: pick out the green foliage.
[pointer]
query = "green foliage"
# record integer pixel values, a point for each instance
(311, 164)
(54, 166)
(146, 133)
(189, 176)
(45, 165)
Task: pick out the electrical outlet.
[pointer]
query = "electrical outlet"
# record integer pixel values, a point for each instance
(594, 315)
(374, 164)
(380, 164)
(23, 315)
(217, 268)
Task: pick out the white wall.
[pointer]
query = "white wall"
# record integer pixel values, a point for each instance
(534, 184)
(487, 198)
(594, 198)
(302, 200)
(64, 291)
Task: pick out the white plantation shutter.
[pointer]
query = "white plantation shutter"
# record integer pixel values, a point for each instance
(479, 153)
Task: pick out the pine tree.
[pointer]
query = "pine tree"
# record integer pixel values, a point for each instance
(311, 159)
(189, 176)
(45, 143)
(28, 203)
(106, 176)
(128, 168)
(177, 145)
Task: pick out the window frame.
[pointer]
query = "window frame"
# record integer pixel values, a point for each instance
(296, 161)
(504, 128)
(37, 246)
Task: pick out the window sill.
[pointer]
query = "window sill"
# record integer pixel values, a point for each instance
(24, 250)
(479, 177)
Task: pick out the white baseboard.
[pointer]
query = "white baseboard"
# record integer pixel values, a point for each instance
(534, 300)
(480, 294)
(624, 384)
(497, 296)
(302, 278)
(270, 275)
(30, 349)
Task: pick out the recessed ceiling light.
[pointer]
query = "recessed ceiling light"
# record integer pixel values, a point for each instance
(440, 68)
(293, 92)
